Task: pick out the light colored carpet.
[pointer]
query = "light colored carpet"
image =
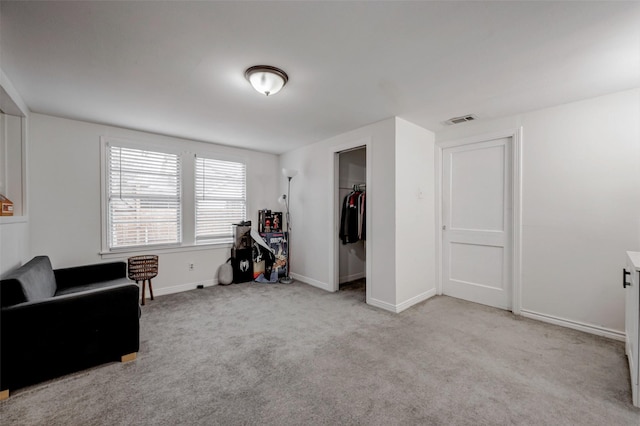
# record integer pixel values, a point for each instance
(275, 354)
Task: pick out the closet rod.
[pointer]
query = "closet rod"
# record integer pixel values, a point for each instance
(362, 185)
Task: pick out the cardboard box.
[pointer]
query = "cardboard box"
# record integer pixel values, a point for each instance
(242, 235)
(269, 221)
(264, 217)
(6, 206)
(276, 222)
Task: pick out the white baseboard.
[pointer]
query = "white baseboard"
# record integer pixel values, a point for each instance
(311, 281)
(181, 287)
(415, 300)
(352, 277)
(576, 325)
(404, 305)
(382, 305)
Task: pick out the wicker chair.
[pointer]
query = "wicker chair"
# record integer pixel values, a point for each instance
(143, 268)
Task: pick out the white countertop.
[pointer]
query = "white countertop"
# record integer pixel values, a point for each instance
(635, 259)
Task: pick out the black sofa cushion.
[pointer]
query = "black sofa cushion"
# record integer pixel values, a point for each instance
(82, 275)
(92, 286)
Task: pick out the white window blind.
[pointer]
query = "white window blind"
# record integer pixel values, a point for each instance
(221, 199)
(144, 197)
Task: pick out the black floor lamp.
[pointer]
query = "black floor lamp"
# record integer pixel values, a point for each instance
(284, 199)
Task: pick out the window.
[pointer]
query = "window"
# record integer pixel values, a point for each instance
(169, 196)
(143, 191)
(221, 199)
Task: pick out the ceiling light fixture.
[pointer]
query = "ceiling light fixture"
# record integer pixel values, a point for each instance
(266, 79)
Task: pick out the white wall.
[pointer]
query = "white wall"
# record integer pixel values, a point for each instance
(3, 154)
(415, 214)
(312, 194)
(14, 242)
(400, 200)
(65, 211)
(581, 206)
(14, 231)
(353, 171)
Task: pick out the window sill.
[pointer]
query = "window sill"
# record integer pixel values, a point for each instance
(126, 253)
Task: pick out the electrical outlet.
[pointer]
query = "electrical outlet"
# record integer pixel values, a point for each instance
(192, 266)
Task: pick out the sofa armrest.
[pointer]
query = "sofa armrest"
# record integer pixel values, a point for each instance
(88, 274)
(70, 311)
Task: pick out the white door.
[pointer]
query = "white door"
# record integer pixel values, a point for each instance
(477, 224)
(632, 304)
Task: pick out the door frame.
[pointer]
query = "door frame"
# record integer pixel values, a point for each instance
(334, 212)
(516, 219)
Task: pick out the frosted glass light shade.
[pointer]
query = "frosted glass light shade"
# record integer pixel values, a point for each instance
(266, 79)
(289, 173)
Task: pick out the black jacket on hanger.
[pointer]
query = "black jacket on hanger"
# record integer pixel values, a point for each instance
(349, 218)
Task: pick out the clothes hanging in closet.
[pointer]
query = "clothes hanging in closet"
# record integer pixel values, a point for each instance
(352, 220)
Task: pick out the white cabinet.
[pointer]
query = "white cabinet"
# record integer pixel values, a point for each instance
(631, 282)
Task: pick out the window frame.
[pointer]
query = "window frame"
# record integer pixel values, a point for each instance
(104, 187)
(208, 156)
(188, 152)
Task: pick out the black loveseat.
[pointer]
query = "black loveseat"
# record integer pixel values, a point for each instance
(54, 322)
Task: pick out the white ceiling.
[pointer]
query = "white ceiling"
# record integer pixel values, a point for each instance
(177, 68)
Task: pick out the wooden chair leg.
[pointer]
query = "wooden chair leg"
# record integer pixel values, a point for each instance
(128, 357)
(150, 289)
(144, 282)
(4, 394)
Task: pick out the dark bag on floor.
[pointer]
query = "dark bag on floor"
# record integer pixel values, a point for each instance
(242, 262)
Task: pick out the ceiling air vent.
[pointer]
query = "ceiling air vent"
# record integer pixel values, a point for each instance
(462, 119)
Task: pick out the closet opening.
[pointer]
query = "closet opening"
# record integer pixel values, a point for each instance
(351, 204)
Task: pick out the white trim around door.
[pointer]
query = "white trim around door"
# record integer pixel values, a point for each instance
(334, 212)
(516, 218)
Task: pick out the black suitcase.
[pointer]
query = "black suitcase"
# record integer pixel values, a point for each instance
(242, 262)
